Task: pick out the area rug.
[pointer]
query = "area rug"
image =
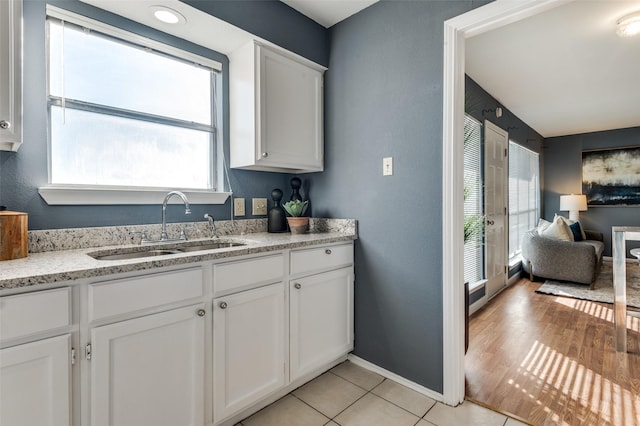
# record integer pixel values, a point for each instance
(602, 289)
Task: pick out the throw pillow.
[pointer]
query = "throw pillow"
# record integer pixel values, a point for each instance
(542, 225)
(558, 230)
(570, 222)
(576, 229)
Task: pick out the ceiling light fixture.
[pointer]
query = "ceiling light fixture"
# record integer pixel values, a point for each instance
(629, 25)
(167, 15)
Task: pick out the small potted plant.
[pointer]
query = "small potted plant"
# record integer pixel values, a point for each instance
(298, 223)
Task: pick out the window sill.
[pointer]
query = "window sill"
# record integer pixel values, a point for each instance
(87, 196)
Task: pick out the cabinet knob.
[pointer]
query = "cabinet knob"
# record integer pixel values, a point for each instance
(265, 154)
(328, 251)
(201, 312)
(223, 305)
(4, 125)
(298, 286)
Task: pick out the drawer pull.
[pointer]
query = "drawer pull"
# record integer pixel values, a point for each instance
(328, 251)
(201, 312)
(298, 286)
(223, 305)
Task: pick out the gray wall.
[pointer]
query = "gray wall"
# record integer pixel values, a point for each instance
(481, 106)
(383, 94)
(563, 175)
(23, 172)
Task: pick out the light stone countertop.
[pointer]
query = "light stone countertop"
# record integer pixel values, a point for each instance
(53, 266)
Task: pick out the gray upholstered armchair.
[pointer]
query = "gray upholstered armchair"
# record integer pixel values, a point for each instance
(575, 261)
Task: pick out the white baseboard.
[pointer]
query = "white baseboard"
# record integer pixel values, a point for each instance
(398, 379)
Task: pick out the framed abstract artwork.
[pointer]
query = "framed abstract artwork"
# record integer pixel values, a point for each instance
(611, 177)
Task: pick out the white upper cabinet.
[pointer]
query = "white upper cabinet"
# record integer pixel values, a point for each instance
(10, 75)
(276, 100)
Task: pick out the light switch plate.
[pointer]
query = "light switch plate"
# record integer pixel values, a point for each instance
(387, 166)
(238, 207)
(259, 206)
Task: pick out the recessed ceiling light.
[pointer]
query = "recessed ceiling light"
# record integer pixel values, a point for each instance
(167, 15)
(629, 25)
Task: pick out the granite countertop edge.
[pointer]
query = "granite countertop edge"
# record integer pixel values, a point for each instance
(65, 265)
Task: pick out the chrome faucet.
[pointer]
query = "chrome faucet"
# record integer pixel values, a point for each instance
(187, 210)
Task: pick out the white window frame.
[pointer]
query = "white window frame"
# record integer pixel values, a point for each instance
(123, 195)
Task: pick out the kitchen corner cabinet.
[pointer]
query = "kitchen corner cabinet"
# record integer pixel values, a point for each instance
(321, 307)
(276, 110)
(321, 320)
(249, 348)
(10, 75)
(35, 383)
(35, 362)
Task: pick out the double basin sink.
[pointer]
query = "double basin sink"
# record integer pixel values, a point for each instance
(153, 251)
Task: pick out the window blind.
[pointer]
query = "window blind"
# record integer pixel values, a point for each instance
(524, 195)
(473, 250)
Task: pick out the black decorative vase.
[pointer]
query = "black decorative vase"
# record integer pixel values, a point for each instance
(296, 183)
(277, 218)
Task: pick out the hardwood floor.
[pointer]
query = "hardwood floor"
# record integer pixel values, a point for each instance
(552, 361)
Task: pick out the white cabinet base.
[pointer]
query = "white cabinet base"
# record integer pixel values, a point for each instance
(149, 370)
(321, 319)
(35, 383)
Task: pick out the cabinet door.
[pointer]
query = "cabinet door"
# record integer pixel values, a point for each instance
(35, 383)
(321, 318)
(248, 348)
(10, 75)
(290, 113)
(149, 370)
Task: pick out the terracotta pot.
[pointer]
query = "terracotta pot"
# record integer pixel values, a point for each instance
(298, 225)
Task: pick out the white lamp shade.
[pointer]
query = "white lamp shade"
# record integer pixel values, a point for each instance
(573, 203)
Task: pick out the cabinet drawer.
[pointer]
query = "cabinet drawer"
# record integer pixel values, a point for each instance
(110, 298)
(40, 311)
(322, 258)
(244, 273)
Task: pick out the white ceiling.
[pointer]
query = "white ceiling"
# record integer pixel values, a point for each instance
(328, 12)
(564, 71)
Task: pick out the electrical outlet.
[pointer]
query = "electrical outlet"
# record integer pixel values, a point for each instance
(259, 206)
(387, 166)
(238, 207)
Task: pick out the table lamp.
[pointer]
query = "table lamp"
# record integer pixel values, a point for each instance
(574, 204)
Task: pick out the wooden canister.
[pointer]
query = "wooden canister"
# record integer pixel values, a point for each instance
(14, 242)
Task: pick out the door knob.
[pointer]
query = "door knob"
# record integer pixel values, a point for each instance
(298, 286)
(223, 305)
(4, 125)
(201, 312)
(490, 222)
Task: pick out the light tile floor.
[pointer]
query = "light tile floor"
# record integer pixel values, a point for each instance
(349, 395)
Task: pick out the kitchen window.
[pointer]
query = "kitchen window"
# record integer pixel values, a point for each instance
(127, 113)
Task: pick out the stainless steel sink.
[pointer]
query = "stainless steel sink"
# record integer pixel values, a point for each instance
(132, 255)
(196, 246)
(141, 252)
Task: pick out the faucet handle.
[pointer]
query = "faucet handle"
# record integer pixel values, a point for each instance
(143, 236)
(183, 235)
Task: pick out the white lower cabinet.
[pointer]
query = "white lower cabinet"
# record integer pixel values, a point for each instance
(35, 383)
(321, 320)
(248, 347)
(149, 370)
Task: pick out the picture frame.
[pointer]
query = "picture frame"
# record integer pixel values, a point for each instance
(611, 177)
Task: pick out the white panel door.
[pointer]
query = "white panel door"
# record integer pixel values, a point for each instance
(149, 370)
(496, 163)
(248, 348)
(321, 320)
(35, 383)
